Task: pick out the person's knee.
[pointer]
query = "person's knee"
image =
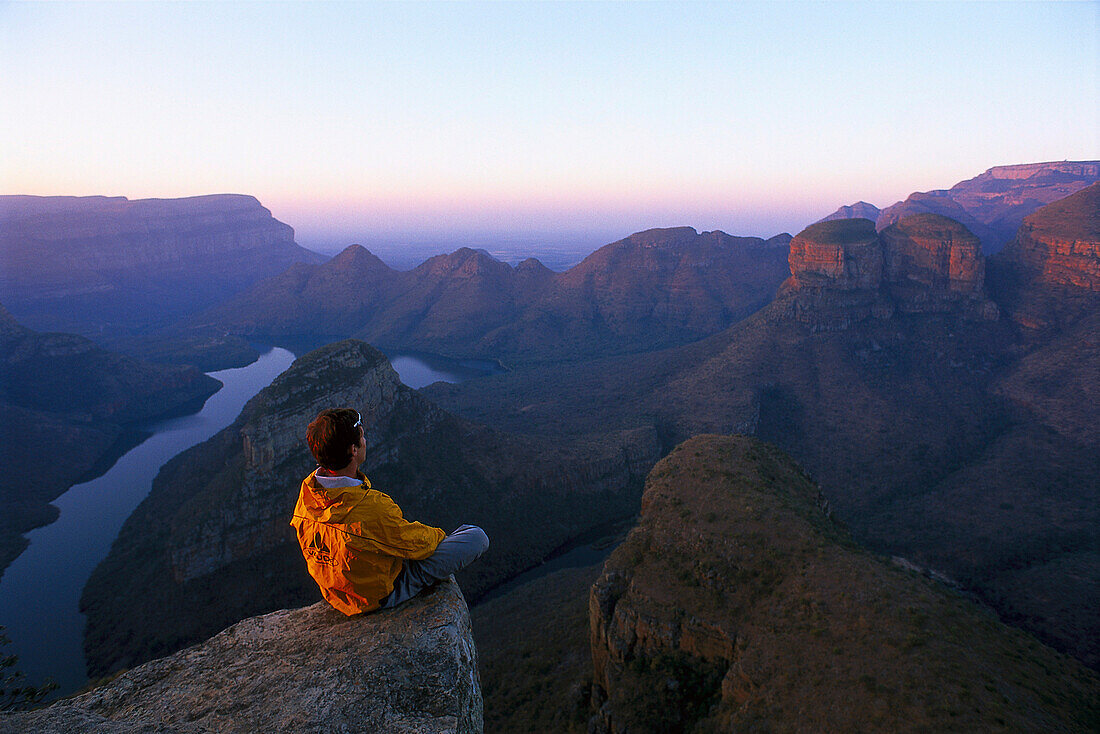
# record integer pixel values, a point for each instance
(480, 539)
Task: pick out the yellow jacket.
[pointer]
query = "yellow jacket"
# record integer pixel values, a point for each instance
(353, 540)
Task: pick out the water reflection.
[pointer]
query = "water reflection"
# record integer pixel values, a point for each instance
(40, 590)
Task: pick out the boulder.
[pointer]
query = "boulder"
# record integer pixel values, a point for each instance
(412, 669)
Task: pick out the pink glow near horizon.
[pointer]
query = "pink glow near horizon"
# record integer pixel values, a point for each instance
(352, 120)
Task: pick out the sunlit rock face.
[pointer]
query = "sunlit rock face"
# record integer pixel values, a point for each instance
(412, 669)
(934, 264)
(842, 271)
(1060, 243)
(840, 254)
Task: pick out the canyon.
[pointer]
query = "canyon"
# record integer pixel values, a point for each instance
(69, 406)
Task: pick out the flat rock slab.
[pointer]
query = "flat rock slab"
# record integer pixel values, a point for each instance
(411, 670)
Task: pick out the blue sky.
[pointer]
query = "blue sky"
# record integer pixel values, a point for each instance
(363, 121)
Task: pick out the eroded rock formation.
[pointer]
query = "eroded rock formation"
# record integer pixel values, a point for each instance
(410, 670)
(843, 271)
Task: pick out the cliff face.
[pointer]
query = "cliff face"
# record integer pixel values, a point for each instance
(993, 204)
(843, 272)
(651, 290)
(211, 544)
(1049, 275)
(1060, 244)
(400, 671)
(113, 255)
(736, 604)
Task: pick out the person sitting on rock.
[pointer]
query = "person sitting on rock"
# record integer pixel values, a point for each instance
(358, 546)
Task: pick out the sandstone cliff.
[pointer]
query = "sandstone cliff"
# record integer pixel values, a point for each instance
(993, 204)
(843, 271)
(651, 290)
(410, 670)
(211, 544)
(1048, 277)
(92, 263)
(738, 604)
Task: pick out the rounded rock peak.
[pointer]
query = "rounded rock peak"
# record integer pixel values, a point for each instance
(839, 232)
(932, 225)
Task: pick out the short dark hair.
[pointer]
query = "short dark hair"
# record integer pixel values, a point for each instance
(332, 435)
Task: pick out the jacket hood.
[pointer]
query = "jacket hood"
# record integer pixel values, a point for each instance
(331, 504)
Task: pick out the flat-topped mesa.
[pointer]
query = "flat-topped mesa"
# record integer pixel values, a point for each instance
(836, 274)
(1059, 245)
(842, 254)
(409, 669)
(842, 271)
(935, 264)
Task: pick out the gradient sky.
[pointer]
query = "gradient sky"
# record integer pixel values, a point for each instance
(360, 122)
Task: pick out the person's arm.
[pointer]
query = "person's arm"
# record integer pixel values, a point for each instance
(391, 534)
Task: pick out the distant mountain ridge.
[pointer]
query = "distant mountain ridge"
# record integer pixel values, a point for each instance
(651, 290)
(993, 204)
(108, 263)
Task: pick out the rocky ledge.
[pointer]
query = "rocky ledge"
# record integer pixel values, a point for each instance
(411, 670)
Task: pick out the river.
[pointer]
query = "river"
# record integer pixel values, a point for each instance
(40, 590)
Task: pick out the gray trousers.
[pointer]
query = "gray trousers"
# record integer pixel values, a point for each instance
(455, 552)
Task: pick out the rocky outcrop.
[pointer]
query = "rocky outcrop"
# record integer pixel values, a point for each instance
(993, 204)
(859, 210)
(1048, 277)
(934, 264)
(1059, 244)
(737, 604)
(211, 544)
(843, 271)
(410, 670)
(84, 263)
(651, 290)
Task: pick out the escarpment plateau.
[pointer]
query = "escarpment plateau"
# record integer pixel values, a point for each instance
(212, 544)
(108, 264)
(993, 204)
(407, 670)
(651, 290)
(737, 603)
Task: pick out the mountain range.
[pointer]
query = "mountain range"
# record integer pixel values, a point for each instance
(991, 205)
(651, 290)
(941, 423)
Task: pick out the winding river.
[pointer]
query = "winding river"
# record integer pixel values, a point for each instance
(40, 590)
